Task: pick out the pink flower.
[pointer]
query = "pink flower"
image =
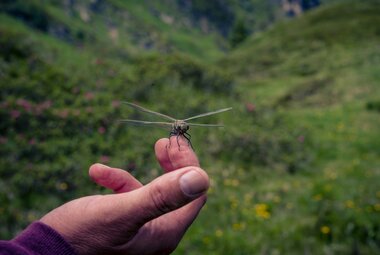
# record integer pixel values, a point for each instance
(63, 113)
(101, 130)
(104, 159)
(3, 140)
(32, 141)
(15, 114)
(76, 112)
(301, 138)
(115, 104)
(24, 104)
(250, 107)
(43, 106)
(89, 109)
(75, 90)
(99, 61)
(46, 104)
(89, 95)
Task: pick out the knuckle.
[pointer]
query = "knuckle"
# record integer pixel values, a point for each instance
(160, 199)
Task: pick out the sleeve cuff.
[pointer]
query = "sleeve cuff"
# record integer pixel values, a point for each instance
(39, 238)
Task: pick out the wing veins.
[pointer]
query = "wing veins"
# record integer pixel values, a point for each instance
(142, 122)
(208, 113)
(140, 108)
(204, 125)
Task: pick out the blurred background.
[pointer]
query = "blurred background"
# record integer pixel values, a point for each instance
(296, 170)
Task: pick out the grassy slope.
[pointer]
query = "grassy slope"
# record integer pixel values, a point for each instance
(309, 120)
(317, 74)
(60, 106)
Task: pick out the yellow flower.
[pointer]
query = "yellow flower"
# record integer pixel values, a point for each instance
(218, 233)
(31, 216)
(349, 204)
(63, 186)
(317, 197)
(332, 175)
(327, 187)
(234, 204)
(206, 240)
(231, 182)
(238, 226)
(325, 230)
(261, 211)
(340, 126)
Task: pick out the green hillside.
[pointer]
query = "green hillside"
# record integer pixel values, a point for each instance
(295, 171)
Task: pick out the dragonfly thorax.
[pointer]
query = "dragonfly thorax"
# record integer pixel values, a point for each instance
(180, 127)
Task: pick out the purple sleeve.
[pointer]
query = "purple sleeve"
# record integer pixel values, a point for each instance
(37, 239)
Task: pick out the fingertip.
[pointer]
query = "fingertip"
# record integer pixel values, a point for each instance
(96, 171)
(161, 144)
(194, 182)
(179, 142)
(180, 153)
(161, 151)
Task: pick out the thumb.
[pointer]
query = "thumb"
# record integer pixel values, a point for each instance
(165, 194)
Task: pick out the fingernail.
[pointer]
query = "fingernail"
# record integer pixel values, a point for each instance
(98, 172)
(103, 166)
(193, 183)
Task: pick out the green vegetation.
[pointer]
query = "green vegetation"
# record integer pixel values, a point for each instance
(296, 170)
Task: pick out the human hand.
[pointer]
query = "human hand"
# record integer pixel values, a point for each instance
(148, 219)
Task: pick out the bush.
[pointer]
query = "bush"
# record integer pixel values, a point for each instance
(175, 68)
(28, 12)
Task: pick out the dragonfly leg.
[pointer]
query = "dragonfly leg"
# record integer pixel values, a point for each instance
(176, 135)
(188, 137)
(179, 146)
(172, 133)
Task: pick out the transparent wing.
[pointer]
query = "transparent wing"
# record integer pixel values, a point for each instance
(204, 125)
(149, 111)
(147, 123)
(208, 113)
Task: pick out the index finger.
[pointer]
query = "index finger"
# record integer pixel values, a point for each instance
(174, 154)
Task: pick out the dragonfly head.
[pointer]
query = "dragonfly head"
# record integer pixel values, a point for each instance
(180, 127)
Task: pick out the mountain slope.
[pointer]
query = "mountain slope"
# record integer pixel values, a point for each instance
(294, 171)
(312, 78)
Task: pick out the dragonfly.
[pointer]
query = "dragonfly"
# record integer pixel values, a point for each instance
(179, 127)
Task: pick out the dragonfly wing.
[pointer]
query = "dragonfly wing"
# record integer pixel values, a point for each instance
(147, 123)
(208, 113)
(204, 125)
(149, 111)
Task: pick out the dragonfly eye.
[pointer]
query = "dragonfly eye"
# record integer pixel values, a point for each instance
(183, 126)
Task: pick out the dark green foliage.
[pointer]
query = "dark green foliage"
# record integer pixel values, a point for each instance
(27, 11)
(273, 147)
(294, 171)
(373, 106)
(309, 4)
(238, 34)
(178, 69)
(13, 45)
(218, 12)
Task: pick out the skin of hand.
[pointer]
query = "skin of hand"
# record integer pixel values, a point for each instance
(138, 219)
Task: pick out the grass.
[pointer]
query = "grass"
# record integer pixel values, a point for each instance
(296, 170)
